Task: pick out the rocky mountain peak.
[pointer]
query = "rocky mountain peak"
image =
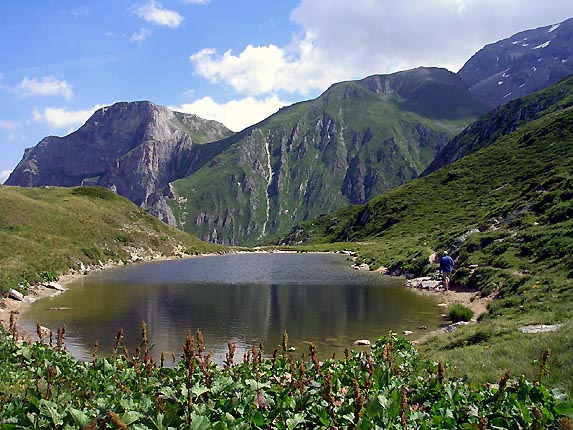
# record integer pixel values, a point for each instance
(521, 64)
(134, 148)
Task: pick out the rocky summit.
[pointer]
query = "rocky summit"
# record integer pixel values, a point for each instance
(132, 148)
(521, 64)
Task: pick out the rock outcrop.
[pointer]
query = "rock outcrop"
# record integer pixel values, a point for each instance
(134, 148)
(355, 141)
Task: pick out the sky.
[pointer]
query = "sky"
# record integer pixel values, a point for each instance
(235, 61)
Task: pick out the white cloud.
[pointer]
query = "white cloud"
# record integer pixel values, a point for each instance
(197, 1)
(9, 128)
(266, 69)
(141, 35)
(155, 13)
(46, 86)
(380, 36)
(7, 125)
(64, 118)
(235, 114)
(4, 175)
(340, 40)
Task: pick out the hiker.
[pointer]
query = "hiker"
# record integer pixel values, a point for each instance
(446, 266)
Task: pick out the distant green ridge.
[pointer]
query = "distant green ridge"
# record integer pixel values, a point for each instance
(355, 141)
(518, 189)
(504, 120)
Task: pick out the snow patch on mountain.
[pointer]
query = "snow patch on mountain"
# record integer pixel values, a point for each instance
(543, 45)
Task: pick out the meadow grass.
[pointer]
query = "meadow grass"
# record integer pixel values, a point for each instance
(47, 231)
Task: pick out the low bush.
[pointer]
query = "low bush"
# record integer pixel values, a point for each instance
(460, 312)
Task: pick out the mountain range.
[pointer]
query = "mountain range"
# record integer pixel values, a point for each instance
(355, 141)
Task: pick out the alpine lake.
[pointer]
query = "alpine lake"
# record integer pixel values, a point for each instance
(247, 299)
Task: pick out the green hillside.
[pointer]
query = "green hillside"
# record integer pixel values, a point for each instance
(504, 120)
(357, 140)
(46, 231)
(512, 203)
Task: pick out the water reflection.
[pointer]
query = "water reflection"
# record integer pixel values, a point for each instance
(246, 298)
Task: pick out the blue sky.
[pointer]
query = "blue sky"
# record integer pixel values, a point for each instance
(236, 61)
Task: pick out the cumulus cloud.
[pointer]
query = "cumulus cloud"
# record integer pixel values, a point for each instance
(141, 35)
(341, 40)
(235, 114)
(387, 35)
(155, 13)
(46, 86)
(64, 118)
(265, 69)
(4, 175)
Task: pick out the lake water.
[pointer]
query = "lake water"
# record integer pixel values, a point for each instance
(243, 298)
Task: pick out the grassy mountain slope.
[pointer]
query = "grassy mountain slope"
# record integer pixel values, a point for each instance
(46, 231)
(504, 120)
(355, 141)
(516, 198)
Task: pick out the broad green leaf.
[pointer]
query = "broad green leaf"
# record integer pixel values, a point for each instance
(50, 409)
(564, 408)
(199, 422)
(221, 384)
(130, 417)
(107, 367)
(256, 385)
(258, 419)
(198, 389)
(168, 393)
(158, 422)
(79, 417)
(295, 421)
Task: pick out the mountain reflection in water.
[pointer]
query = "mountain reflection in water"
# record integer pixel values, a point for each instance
(242, 298)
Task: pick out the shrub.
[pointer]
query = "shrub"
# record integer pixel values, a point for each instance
(460, 312)
(95, 192)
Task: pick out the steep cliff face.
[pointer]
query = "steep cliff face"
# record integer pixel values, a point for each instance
(521, 64)
(352, 143)
(133, 148)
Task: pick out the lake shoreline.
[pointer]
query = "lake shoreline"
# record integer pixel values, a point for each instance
(41, 291)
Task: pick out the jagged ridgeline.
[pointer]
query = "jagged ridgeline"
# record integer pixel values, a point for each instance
(355, 141)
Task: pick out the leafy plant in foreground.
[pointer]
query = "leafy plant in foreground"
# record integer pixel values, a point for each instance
(387, 388)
